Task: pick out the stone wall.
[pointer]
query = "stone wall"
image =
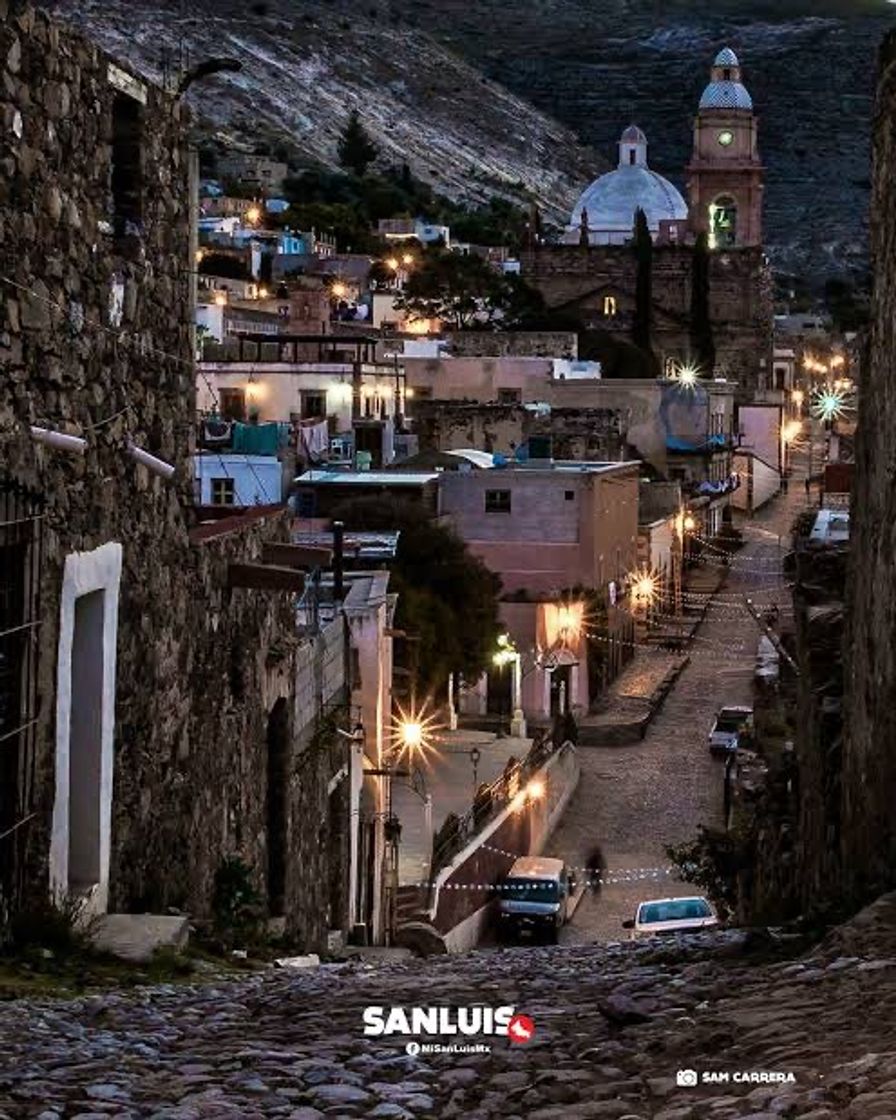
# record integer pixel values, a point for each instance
(95, 340)
(869, 764)
(740, 291)
(576, 433)
(513, 344)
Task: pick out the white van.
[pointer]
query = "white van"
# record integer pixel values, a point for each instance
(534, 897)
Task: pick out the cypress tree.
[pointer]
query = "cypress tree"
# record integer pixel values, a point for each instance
(702, 342)
(356, 150)
(643, 282)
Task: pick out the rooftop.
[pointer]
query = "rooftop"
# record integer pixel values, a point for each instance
(360, 546)
(367, 478)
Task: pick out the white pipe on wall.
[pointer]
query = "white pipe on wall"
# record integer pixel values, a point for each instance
(59, 440)
(157, 466)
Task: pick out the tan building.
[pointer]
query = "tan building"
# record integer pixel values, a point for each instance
(563, 538)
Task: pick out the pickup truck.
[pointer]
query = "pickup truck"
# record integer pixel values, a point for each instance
(726, 731)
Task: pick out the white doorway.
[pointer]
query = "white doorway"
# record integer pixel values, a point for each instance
(85, 721)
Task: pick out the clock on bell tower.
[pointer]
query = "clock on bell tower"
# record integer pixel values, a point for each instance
(725, 175)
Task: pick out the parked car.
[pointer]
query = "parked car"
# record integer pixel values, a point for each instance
(671, 915)
(534, 898)
(729, 724)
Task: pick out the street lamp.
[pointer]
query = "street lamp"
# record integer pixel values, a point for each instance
(253, 215)
(505, 655)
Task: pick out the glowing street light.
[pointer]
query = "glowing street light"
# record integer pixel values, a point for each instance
(253, 215)
(688, 375)
(797, 396)
(407, 259)
(413, 732)
(644, 588)
(393, 263)
(792, 429)
(689, 524)
(505, 654)
(830, 404)
(221, 299)
(339, 290)
(535, 790)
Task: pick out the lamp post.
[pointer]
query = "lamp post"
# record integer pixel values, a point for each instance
(505, 655)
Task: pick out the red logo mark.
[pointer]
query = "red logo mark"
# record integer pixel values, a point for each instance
(520, 1029)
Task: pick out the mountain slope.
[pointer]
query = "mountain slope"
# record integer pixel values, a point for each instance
(304, 71)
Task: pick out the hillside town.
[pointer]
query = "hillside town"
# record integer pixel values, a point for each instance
(410, 603)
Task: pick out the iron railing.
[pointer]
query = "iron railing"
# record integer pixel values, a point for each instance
(21, 518)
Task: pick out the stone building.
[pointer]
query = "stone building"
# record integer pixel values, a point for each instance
(149, 720)
(868, 845)
(594, 272)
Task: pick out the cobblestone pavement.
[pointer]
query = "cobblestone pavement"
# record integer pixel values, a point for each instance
(633, 800)
(613, 1025)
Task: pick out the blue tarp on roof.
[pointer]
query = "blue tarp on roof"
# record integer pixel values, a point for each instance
(675, 443)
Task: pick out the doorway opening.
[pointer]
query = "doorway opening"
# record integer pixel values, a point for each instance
(277, 786)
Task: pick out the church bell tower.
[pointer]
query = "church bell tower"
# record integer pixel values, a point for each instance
(725, 175)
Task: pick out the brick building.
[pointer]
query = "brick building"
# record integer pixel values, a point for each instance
(594, 272)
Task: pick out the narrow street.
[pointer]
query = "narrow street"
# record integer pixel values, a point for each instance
(633, 800)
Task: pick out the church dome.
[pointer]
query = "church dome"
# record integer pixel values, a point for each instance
(726, 95)
(611, 201)
(725, 89)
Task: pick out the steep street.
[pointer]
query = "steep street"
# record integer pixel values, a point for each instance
(633, 800)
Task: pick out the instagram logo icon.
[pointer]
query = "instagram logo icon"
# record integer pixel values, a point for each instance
(686, 1078)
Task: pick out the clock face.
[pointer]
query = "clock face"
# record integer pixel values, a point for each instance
(726, 138)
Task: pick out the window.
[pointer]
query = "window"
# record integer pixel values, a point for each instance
(509, 396)
(726, 75)
(223, 492)
(723, 223)
(233, 404)
(632, 156)
(497, 501)
(314, 403)
(127, 165)
(569, 495)
(356, 667)
(610, 307)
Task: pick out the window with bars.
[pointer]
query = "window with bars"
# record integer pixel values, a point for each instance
(20, 547)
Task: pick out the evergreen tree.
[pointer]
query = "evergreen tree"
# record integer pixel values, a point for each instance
(356, 150)
(643, 282)
(702, 342)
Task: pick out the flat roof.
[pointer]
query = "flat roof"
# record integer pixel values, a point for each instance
(365, 546)
(368, 478)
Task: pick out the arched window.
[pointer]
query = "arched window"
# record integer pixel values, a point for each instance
(610, 307)
(723, 223)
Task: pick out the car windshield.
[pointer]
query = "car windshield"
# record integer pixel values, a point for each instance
(675, 910)
(728, 723)
(530, 890)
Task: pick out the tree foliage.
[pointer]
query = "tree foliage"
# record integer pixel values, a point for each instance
(446, 597)
(356, 150)
(702, 341)
(465, 291)
(641, 328)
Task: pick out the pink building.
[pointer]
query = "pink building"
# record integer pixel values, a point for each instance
(563, 537)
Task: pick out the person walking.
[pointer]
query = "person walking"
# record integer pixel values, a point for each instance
(596, 868)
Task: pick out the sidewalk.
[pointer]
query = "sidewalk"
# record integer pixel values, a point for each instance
(624, 712)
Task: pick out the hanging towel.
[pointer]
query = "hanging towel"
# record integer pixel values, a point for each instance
(256, 439)
(314, 440)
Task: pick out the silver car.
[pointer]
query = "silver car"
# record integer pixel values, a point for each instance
(671, 915)
(728, 727)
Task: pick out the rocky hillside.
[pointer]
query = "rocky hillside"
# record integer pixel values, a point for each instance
(809, 65)
(307, 65)
(470, 93)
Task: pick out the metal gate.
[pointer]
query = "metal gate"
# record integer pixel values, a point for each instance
(21, 514)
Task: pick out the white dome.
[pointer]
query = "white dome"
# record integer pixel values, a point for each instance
(726, 57)
(612, 200)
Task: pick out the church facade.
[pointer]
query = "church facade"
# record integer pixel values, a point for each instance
(593, 271)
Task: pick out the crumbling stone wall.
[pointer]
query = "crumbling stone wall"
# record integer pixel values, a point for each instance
(869, 765)
(576, 433)
(513, 344)
(95, 340)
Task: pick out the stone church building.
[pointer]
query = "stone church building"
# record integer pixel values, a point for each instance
(593, 271)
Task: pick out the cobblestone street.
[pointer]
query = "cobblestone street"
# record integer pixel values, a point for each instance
(613, 1025)
(633, 800)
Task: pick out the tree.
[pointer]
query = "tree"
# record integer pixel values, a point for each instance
(356, 150)
(446, 597)
(460, 290)
(643, 282)
(702, 341)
